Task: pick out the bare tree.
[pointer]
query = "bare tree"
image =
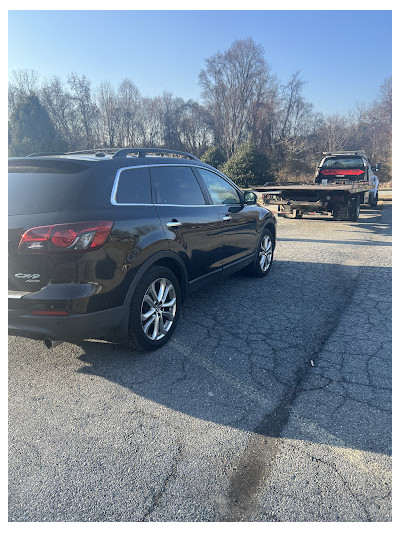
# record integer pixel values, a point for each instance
(85, 107)
(334, 133)
(234, 85)
(109, 114)
(381, 127)
(62, 111)
(129, 102)
(294, 108)
(384, 101)
(23, 83)
(172, 109)
(294, 122)
(196, 128)
(148, 122)
(370, 128)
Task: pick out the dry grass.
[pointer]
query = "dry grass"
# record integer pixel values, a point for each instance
(287, 178)
(385, 184)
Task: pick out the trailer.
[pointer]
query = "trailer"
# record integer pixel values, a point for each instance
(343, 182)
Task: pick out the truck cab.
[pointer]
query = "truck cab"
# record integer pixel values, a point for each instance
(347, 167)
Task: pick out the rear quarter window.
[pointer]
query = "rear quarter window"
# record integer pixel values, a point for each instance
(43, 186)
(133, 186)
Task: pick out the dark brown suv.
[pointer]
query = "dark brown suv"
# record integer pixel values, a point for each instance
(107, 244)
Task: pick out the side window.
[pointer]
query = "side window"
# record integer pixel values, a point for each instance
(134, 186)
(221, 191)
(175, 185)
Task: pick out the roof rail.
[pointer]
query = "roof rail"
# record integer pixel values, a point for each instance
(41, 154)
(345, 152)
(141, 152)
(120, 152)
(95, 151)
(92, 151)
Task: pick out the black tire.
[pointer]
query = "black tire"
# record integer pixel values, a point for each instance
(139, 338)
(256, 269)
(299, 214)
(373, 200)
(340, 212)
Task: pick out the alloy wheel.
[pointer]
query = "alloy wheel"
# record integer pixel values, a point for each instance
(265, 253)
(158, 309)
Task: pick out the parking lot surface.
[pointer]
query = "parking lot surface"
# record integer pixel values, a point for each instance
(272, 402)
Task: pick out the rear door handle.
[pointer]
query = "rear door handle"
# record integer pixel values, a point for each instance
(227, 218)
(173, 224)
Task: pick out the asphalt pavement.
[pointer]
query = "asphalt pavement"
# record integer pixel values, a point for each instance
(272, 402)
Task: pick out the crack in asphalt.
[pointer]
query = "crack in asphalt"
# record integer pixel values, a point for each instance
(158, 494)
(256, 463)
(344, 481)
(249, 475)
(248, 478)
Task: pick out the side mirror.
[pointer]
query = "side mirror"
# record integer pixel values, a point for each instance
(250, 198)
(377, 167)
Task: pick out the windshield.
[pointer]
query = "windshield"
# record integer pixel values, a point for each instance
(342, 162)
(42, 186)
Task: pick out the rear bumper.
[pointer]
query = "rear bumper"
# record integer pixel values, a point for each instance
(66, 328)
(70, 298)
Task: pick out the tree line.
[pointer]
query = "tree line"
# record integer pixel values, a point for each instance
(247, 123)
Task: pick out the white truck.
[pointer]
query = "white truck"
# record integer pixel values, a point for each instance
(343, 181)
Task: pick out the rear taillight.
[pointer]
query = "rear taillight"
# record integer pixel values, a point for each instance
(75, 237)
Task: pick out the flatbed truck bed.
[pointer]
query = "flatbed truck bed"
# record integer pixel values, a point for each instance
(354, 187)
(343, 200)
(344, 181)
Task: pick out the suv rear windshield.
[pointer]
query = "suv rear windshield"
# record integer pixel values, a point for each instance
(342, 162)
(43, 186)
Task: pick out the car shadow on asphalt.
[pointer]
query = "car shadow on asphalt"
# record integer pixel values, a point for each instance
(377, 220)
(305, 354)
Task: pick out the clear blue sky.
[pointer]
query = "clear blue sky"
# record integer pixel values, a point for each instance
(343, 55)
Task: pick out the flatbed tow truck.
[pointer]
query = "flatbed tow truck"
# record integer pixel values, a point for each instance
(343, 181)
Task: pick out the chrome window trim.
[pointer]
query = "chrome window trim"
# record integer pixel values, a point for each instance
(184, 205)
(116, 181)
(120, 170)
